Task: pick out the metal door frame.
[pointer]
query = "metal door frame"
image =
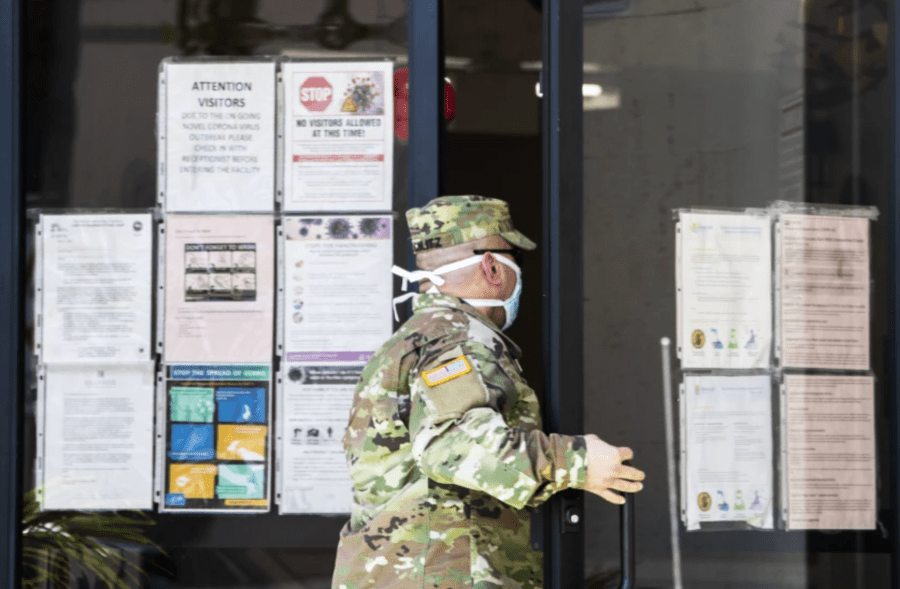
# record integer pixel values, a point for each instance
(561, 136)
(11, 295)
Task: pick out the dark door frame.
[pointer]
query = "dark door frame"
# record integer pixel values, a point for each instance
(563, 540)
(561, 135)
(892, 357)
(11, 250)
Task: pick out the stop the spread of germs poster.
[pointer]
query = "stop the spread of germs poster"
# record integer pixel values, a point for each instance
(217, 449)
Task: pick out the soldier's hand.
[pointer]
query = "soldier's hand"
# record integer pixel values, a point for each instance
(606, 473)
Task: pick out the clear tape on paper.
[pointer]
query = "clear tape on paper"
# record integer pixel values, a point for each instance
(781, 207)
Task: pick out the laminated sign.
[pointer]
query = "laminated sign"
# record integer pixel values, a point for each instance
(95, 301)
(217, 136)
(217, 454)
(724, 276)
(219, 281)
(338, 139)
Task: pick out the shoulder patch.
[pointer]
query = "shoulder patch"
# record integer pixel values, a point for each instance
(449, 371)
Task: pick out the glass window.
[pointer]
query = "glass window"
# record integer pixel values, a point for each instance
(90, 77)
(722, 105)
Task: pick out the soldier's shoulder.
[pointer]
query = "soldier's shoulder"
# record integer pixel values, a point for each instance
(434, 326)
(426, 328)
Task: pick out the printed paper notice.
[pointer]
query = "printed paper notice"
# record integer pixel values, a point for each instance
(98, 437)
(824, 292)
(316, 407)
(338, 287)
(338, 136)
(726, 291)
(830, 443)
(96, 287)
(219, 288)
(219, 136)
(728, 442)
(217, 438)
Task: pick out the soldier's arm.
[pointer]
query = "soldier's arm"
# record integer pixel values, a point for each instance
(460, 437)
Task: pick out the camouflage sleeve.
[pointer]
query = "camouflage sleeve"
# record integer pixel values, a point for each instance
(459, 435)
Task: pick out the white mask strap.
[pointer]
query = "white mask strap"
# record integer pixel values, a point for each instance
(471, 261)
(416, 276)
(402, 299)
(436, 280)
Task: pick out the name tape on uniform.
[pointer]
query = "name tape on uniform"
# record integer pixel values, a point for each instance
(447, 371)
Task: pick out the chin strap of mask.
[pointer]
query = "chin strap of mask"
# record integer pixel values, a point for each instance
(415, 276)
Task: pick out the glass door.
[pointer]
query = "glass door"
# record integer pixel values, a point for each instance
(740, 117)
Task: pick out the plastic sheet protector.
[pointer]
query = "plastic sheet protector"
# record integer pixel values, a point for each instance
(337, 287)
(829, 444)
(338, 136)
(315, 405)
(727, 450)
(217, 135)
(97, 442)
(337, 311)
(219, 289)
(217, 448)
(96, 287)
(725, 297)
(824, 294)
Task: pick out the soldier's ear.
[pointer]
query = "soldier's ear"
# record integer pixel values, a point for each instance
(490, 270)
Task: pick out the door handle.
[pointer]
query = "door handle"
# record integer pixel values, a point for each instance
(626, 541)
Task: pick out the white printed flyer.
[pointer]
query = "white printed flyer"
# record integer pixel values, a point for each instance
(98, 437)
(219, 289)
(725, 298)
(337, 287)
(727, 472)
(338, 136)
(96, 287)
(217, 139)
(315, 406)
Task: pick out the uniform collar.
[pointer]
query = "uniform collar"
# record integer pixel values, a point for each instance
(430, 301)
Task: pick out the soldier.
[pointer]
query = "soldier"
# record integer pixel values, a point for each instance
(444, 442)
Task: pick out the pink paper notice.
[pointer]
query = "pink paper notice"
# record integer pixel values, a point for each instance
(824, 275)
(219, 289)
(829, 440)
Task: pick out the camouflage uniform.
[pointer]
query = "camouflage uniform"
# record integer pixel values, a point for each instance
(446, 454)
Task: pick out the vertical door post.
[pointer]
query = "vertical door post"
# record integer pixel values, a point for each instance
(561, 80)
(10, 285)
(426, 100)
(892, 360)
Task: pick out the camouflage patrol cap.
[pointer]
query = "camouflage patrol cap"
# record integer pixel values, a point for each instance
(451, 220)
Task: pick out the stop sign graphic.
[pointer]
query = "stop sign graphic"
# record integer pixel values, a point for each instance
(316, 93)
